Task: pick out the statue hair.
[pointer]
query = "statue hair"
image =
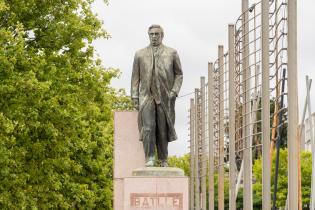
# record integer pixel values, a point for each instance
(156, 26)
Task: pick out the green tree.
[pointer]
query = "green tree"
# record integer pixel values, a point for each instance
(306, 173)
(182, 162)
(226, 189)
(56, 130)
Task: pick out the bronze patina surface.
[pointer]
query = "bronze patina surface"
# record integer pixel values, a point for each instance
(156, 80)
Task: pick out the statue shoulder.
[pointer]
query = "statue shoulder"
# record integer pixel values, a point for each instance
(142, 52)
(170, 50)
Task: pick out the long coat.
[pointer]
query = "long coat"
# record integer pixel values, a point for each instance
(168, 76)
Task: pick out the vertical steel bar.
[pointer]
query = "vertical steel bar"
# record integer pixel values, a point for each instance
(309, 106)
(276, 106)
(203, 145)
(232, 177)
(247, 199)
(239, 178)
(210, 132)
(192, 154)
(266, 162)
(302, 124)
(221, 129)
(302, 137)
(292, 106)
(197, 180)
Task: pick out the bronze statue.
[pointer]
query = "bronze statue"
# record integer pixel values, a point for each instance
(156, 80)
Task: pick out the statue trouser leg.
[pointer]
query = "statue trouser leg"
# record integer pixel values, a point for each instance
(148, 126)
(161, 134)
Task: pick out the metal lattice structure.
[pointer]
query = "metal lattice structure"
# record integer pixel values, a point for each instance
(230, 119)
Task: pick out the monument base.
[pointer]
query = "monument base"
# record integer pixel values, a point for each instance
(137, 187)
(154, 188)
(158, 172)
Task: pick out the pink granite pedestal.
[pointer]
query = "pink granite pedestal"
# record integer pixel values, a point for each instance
(155, 189)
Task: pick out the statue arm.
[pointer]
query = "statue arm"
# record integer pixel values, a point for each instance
(135, 78)
(178, 73)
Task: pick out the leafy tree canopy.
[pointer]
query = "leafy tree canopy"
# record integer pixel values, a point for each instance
(55, 107)
(181, 162)
(306, 173)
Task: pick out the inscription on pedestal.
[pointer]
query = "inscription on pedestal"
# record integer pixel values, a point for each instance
(156, 201)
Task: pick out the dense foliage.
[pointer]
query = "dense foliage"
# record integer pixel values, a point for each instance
(181, 162)
(306, 171)
(55, 107)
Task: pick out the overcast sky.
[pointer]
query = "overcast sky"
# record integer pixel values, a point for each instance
(194, 29)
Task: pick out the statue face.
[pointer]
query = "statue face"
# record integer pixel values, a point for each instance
(156, 36)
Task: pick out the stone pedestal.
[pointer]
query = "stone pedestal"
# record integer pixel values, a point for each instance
(128, 152)
(155, 188)
(158, 172)
(143, 188)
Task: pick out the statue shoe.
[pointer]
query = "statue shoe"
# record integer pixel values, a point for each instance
(164, 163)
(149, 163)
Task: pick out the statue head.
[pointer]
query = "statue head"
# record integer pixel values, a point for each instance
(156, 35)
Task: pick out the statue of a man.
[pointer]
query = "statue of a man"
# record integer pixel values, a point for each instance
(156, 80)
